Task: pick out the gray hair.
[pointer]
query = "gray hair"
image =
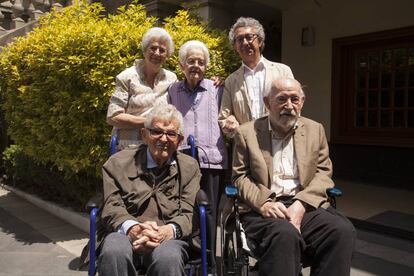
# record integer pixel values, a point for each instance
(155, 34)
(167, 112)
(191, 45)
(248, 22)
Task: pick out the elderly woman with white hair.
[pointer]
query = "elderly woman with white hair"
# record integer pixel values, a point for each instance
(140, 87)
(198, 99)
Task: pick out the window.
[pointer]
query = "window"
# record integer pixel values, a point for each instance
(373, 89)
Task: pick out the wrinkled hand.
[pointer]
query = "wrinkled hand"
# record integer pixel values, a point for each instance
(217, 81)
(166, 232)
(274, 210)
(230, 124)
(144, 237)
(144, 245)
(296, 212)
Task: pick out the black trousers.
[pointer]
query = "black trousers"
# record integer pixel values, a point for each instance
(213, 185)
(325, 242)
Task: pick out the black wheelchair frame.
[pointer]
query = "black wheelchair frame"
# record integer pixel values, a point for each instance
(235, 251)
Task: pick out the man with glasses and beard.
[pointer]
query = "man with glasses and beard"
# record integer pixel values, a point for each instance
(282, 169)
(243, 93)
(149, 196)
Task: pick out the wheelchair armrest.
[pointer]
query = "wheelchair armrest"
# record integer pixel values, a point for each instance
(333, 192)
(202, 198)
(231, 191)
(94, 202)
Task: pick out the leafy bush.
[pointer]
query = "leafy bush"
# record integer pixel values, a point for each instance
(186, 26)
(56, 81)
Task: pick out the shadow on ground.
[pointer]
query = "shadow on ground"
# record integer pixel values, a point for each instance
(22, 232)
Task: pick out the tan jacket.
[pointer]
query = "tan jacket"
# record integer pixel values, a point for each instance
(253, 163)
(236, 100)
(128, 186)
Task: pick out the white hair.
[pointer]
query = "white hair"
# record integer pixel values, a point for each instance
(155, 34)
(167, 112)
(191, 45)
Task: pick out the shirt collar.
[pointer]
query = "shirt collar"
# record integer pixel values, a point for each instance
(275, 134)
(139, 63)
(259, 66)
(152, 164)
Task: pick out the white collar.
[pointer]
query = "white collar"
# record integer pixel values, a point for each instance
(259, 66)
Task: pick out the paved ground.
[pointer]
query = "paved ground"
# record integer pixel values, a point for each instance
(34, 242)
(364, 201)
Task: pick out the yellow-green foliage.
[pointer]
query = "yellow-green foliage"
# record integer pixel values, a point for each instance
(57, 80)
(184, 27)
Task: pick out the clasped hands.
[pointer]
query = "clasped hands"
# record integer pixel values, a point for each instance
(294, 213)
(148, 235)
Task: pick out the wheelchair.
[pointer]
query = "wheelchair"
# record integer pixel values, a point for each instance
(235, 247)
(194, 265)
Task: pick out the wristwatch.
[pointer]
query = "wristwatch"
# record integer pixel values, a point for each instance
(178, 232)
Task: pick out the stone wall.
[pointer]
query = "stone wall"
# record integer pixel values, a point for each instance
(17, 17)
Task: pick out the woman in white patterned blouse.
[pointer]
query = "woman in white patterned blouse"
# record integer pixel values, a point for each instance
(140, 87)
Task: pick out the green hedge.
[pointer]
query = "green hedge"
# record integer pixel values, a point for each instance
(46, 181)
(56, 81)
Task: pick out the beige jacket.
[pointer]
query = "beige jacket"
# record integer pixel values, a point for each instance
(236, 100)
(253, 163)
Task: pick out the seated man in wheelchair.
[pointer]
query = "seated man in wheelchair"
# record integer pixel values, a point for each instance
(149, 196)
(282, 169)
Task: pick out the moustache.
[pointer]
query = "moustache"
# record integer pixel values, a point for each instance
(247, 47)
(161, 145)
(287, 112)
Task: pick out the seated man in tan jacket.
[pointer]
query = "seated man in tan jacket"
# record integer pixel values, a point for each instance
(149, 196)
(282, 169)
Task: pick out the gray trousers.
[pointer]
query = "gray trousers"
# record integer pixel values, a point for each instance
(118, 258)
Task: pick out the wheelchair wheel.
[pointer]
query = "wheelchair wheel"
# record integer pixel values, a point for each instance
(232, 262)
(229, 255)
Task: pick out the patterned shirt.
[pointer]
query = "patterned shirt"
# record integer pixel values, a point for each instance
(133, 96)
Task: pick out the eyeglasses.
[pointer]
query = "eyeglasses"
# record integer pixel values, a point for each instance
(158, 133)
(249, 38)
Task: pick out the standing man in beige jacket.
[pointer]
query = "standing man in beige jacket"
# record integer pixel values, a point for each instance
(243, 93)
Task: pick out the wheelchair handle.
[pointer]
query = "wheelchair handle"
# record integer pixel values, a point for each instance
(192, 142)
(114, 142)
